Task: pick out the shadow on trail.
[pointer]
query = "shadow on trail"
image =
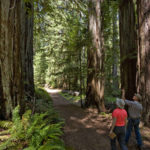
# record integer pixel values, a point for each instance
(84, 129)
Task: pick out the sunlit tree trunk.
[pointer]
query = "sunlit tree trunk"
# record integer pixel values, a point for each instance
(16, 72)
(143, 75)
(115, 49)
(128, 47)
(95, 76)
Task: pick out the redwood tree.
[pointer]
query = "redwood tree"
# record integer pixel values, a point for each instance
(143, 75)
(16, 52)
(128, 47)
(115, 49)
(95, 79)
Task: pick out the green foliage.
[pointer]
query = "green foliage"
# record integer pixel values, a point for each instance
(40, 131)
(103, 113)
(5, 124)
(60, 42)
(44, 104)
(40, 66)
(34, 132)
(109, 99)
(111, 45)
(40, 93)
(61, 39)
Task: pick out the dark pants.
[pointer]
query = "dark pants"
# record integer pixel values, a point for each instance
(133, 123)
(120, 132)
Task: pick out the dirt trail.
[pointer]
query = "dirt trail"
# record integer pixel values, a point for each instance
(85, 129)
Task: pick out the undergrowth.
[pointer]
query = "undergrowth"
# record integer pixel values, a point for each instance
(39, 131)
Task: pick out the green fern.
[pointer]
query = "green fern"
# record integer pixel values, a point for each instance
(29, 148)
(41, 131)
(5, 124)
(5, 132)
(35, 130)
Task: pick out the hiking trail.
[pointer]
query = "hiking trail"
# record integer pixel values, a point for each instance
(85, 129)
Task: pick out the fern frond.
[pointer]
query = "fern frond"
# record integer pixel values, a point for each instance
(5, 124)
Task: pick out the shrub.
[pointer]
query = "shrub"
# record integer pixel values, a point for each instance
(33, 132)
(40, 131)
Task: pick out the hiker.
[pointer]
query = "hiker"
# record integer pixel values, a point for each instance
(119, 119)
(135, 110)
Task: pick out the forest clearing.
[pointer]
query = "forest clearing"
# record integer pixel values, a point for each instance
(97, 52)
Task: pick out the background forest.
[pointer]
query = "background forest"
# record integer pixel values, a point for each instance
(61, 45)
(99, 48)
(66, 55)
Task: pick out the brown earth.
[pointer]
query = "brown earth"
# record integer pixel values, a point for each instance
(88, 130)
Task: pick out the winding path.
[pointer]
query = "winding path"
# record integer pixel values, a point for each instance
(84, 129)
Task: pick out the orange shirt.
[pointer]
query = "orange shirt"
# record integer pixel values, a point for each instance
(120, 115)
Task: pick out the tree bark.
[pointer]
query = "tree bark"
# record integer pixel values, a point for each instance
(128, 47)
(143, 75)
(28, 50)
(16, 52)
(115, 48)
(95, 75)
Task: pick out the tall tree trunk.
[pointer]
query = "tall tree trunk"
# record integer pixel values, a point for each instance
(28, 50)
(143, 75)
(115, 51)
(128, 47)
(16, 53)
(95, 77)
(81, 77)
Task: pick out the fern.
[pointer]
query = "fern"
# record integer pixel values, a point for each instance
(5, 124)
(35, 130)
(4, 132)
(41, 131)
(29, 148)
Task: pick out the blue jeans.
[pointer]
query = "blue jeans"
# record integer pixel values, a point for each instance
(133, 123)
(120, 132)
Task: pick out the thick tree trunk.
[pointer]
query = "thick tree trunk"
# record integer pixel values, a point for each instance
(128, 47)
(16, 71)
(95, 77)
(143, 75)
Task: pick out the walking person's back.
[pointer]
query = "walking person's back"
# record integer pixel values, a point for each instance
(119, 117)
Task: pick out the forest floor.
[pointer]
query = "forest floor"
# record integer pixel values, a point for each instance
(85, 129)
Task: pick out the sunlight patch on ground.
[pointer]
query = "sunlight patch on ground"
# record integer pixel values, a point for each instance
(52, 90)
